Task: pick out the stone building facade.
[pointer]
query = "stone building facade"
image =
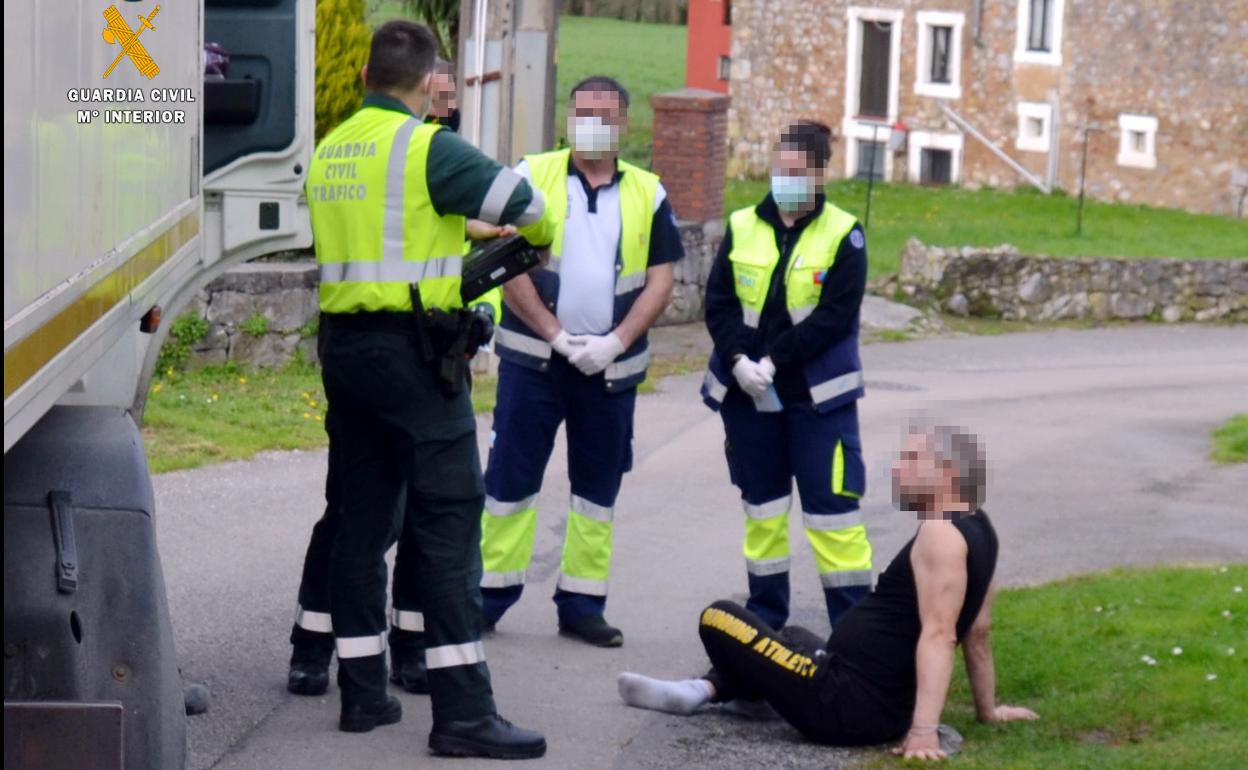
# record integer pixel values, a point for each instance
(1163, 84)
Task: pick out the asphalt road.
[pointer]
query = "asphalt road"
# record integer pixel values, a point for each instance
(1097, 441)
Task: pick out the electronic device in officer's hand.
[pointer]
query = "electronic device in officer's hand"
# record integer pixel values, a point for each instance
(494, 263)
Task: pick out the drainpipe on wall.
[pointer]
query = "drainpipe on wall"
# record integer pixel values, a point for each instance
(1055, 143)
(977, 21)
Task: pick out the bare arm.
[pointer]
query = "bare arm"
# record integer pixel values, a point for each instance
(521, 296)
(939, 562)
(977, 652)
(649, 305)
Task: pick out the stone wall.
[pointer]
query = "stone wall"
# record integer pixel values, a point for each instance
(1002, 283)
(1182, 63)
(285, 295)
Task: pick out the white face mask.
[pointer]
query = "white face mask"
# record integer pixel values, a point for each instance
(592, 137)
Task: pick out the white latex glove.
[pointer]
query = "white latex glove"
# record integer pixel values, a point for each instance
(752, 376)
(596, 353)
(769, 368)
(566, 345)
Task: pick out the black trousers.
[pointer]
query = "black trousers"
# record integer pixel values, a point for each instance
(395, 434)
(813, 690)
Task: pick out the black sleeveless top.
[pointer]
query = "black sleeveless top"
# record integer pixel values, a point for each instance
(879, 636)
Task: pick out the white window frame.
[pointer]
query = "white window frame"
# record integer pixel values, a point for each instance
(1052, 57)
(723, 73)
(1026, 111)
(923, 85)
(1127, 154)
(851, 126)
(918, 141)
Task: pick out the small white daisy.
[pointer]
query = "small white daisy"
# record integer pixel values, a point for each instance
(1210, 677)
(1098, 609)
(1238, 589)
(1230, 650)
(1222, 569)
(1177, 651)
(1226, 613)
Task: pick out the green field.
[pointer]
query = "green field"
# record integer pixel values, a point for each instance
(1077, 652)
(646, 58)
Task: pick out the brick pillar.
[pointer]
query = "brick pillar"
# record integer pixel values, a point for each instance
(691, 151)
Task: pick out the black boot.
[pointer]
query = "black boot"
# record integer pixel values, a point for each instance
(490, 736)
(594, 629)
(410, 673)
(308, 677)
(360, 718)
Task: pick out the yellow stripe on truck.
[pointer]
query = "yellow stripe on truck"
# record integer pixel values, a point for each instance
(33, 352)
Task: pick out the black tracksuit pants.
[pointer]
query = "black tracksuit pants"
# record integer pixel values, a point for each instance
(813, 690)
(394, 433)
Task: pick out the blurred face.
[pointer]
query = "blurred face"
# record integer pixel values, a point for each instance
(597, 121)
(794, 182)
(921, 482)
(442, 92)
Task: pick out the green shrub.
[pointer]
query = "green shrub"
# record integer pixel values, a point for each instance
(257, 325)
(310, 329)
(342, 41)
(188, 329)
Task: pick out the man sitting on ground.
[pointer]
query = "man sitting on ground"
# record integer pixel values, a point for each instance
(884, 674)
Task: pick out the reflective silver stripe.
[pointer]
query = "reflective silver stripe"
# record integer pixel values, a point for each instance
(592, 510)
(799, 314)
(521, 343)
(837, 386)
(770, 509)
(848, 578)
(407, 620)
(537, 207)
(767, 566)
(496, 508)
(496, 197)
(360, 646)
(630, 283)
(398, 272)
(318, 622)
(582, 585)
(750, 316)
(628, 367)
(715, 390)
(450, 655)
(396, 194)
(831, 522)
(502, 579)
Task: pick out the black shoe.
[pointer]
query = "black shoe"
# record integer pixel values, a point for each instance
(308, 678)
(411, 675)
(490, 736)
(361, 719)
(594, 629)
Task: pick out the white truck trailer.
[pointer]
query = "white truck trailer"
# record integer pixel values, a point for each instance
(130, 182)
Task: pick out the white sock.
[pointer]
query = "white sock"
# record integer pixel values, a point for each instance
(680, 696)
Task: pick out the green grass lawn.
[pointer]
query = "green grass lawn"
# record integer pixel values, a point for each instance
(646, 58)
(1230, 442)
(1035, 223)
(1077, 653)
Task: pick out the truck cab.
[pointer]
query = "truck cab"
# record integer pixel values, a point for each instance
(133, 179)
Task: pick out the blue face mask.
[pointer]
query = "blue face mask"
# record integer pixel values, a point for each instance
(792, 192)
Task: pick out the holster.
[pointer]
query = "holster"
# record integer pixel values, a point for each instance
(443, 338)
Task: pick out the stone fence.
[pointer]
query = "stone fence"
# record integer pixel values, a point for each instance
(1002, 283)
(264, 313)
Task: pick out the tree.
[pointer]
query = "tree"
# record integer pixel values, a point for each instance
(342, 42)
(442, 18)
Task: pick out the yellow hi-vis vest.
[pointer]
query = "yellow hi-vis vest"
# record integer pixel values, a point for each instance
(638, 190)
(373, 224)
(834, 377)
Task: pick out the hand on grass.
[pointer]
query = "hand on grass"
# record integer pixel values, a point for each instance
(924, 745)
(1013, 714)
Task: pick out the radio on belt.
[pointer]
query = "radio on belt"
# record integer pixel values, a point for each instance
(494, 263)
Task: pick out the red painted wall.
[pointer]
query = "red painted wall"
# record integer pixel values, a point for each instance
(709, 39)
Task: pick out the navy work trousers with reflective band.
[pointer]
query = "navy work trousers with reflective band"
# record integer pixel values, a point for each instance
(531, 406)
(394, 433)
(766, 451)
(312, 635)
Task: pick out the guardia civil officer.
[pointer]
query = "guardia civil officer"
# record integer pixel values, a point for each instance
(782, 308)
(388, 196)
(572, 344)
(311, 637)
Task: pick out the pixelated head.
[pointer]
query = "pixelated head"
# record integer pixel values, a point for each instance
(442, 89)
(597, 116)
(940, 468)
(400, 63)
(799, 165)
